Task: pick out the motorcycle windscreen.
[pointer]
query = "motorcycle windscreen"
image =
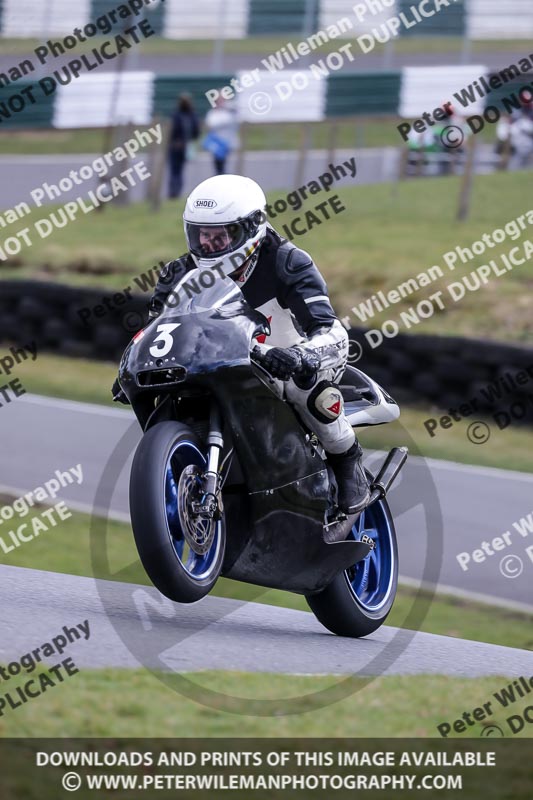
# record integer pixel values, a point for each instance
(202, 290)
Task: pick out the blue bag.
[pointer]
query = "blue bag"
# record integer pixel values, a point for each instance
(215, 145)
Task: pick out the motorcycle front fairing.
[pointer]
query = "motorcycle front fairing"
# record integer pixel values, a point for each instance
(197, 334)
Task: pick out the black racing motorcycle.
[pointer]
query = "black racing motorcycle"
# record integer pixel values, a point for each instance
(227, 480)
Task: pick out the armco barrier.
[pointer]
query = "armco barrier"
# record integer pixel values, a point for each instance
(447, 371)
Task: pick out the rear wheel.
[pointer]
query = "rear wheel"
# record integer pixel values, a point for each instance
(358, 601)
(181, 551)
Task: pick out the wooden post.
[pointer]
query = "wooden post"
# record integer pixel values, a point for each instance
(158, 165)
(243, 138)
(122, 133)
(505, 155)
(404, 161)
(332, 141)
(467, 181)
(302, 156)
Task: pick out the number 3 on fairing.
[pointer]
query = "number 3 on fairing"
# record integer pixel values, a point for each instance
(165, 340)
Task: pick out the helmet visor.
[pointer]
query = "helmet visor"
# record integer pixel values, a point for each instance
(211, 241)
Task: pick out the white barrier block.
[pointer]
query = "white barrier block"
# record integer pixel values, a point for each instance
(331, 11)
(494, 19)
(49, 18)
(277, 97)
(206, 19)
(111, 98)
(426, 88)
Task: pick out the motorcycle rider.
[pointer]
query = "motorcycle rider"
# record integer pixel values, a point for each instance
(226, 229)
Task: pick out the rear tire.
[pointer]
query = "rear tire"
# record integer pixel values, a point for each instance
(159, 510)
(358, 601)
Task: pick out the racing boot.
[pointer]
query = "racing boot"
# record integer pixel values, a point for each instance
(352, 484)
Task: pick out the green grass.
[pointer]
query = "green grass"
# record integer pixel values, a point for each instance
(72, 379)
(284, 136)
(110, 554)
(344, 133)
(50, 141)
(264, 45)
(119, 703)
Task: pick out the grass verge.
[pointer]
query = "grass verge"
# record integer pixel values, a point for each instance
(264, 45)
(115, 703)
(346, 133)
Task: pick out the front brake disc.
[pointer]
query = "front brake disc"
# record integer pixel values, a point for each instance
(198, 531)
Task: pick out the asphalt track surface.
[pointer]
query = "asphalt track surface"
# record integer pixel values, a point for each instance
(179, 63)
(272, 169)
(218, 633)
(441, 509)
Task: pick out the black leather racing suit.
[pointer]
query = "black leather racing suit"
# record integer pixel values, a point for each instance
(287, 287)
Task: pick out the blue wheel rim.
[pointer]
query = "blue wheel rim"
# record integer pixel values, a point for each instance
(198, 567)
(371, 580)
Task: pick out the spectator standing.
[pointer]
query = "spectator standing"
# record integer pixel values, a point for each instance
(521, 134)
(222, 125)
(185, 129)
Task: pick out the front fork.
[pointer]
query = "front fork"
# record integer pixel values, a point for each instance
(209, 506)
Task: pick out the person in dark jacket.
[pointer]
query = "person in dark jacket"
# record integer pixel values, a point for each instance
(185, 129)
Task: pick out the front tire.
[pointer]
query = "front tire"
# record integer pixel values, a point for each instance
(358, 601)
(164, 472)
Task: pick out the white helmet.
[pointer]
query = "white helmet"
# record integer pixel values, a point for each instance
(225, 223)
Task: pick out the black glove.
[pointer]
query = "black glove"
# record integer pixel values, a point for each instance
(284, 363)
(310, 364)
(118, 394)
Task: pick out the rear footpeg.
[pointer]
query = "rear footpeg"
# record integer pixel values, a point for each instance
(338, 528)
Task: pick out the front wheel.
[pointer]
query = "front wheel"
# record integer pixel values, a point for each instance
(181, 552)
(358, 601)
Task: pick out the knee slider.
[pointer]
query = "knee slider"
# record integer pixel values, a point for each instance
(325, 402)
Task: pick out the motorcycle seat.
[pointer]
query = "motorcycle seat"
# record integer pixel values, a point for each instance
(365, 402)
(354, 385)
